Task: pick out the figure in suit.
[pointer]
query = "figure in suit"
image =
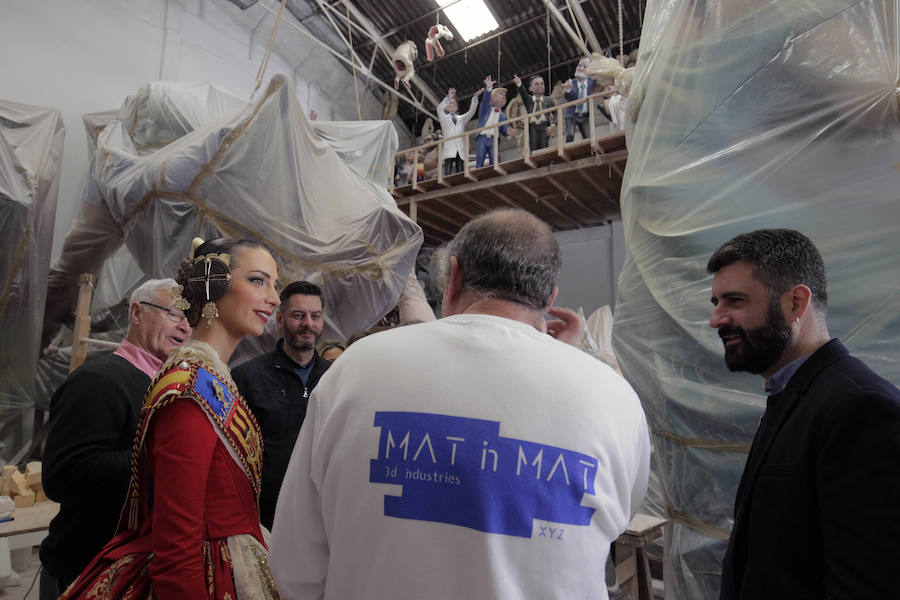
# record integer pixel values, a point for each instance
(821, 477)
(491, 113)
(577, 114)
(540, 127)
(452, 124)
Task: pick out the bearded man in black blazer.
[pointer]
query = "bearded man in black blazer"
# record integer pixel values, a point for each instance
(817, 512)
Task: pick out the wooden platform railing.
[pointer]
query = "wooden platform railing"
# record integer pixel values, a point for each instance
(560, 144)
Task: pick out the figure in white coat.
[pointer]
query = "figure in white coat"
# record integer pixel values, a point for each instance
(453, 124)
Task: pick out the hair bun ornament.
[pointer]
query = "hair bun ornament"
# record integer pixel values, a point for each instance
(210, 278)
(196, 243)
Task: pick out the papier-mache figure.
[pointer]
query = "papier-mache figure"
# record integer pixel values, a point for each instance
(540, 127)
(577, 114)
(453, 124)
(404, 61)
(433, 41)
(491, 113)
(618, 80)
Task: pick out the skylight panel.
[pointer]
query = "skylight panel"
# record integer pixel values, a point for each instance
(471, 18)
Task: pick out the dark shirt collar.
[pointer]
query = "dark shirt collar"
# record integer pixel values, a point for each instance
(290, 362)
(779, 379)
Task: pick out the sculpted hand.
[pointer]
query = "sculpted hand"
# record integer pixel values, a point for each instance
(568, 84)
(451, 93)
(478, 93)
(566, 326)
(517, 80)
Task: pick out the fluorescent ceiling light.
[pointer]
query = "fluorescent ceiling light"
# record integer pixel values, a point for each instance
(470, 17)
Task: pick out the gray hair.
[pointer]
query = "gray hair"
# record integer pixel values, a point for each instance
(508, 254)
(146, 292)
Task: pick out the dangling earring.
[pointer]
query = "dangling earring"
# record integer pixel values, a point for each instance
(210, 311)
(180, 301)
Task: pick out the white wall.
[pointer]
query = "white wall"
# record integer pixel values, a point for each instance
(87, 56)
(592, 261)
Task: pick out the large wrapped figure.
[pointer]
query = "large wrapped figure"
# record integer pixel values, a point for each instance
(747, 115)
(182, 161)
(31, 144)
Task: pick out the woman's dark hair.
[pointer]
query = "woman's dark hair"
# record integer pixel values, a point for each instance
(192, 275)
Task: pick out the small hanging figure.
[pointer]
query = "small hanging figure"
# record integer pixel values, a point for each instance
(433, 42)
(404, 60)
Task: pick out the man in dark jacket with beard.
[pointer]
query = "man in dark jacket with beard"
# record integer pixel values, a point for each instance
(277, 384)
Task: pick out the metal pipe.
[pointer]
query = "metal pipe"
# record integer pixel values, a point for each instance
(337, 30)
(562, 22)
(416, 104)
(578, 12)
(389, 50)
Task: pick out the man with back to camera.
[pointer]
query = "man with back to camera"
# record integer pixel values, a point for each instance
(277, 384)
(93, 419)
(467, 457)
(817, 512)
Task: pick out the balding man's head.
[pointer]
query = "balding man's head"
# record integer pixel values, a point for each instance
(510, 255)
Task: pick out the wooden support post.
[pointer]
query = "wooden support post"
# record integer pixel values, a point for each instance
(632, 566)
(415, 170)
(561, 133)
(466, 171)
(82, 320)
(440, 164)
(413, 210)
(526, 144)
(496, 161)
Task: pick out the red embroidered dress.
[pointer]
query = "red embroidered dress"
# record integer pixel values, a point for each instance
(190, 527)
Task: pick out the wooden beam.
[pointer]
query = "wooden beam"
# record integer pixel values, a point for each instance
(574, 198)
(429, 223)
(560, 213)
(505, 198)
(444, 206)
(530, 192)
(452, 206)
(552, 169)
(82, 320)
(600, 189)
(484, 207)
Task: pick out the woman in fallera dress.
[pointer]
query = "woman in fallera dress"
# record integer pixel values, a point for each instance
(190, 527)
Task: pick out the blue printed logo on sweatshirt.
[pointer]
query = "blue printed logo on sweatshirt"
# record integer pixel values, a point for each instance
(460, 471)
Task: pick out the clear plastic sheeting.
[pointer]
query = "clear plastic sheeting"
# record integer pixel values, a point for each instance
(367, 147)
(744, 115)
(31, 144)
(259, 171)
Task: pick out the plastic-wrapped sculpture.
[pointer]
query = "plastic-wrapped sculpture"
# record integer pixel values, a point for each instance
(746, 115)
(433, 40)
(31, 145)
(315, 193)
(404, 61)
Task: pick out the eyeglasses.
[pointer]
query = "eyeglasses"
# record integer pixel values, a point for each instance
(176, 316)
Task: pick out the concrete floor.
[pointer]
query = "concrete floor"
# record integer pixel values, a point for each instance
(28, 567)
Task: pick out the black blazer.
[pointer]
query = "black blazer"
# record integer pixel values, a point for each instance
(817, 513)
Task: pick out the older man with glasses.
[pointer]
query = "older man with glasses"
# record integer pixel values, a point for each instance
(93, 418)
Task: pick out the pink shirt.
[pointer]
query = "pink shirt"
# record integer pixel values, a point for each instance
(139, 357)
